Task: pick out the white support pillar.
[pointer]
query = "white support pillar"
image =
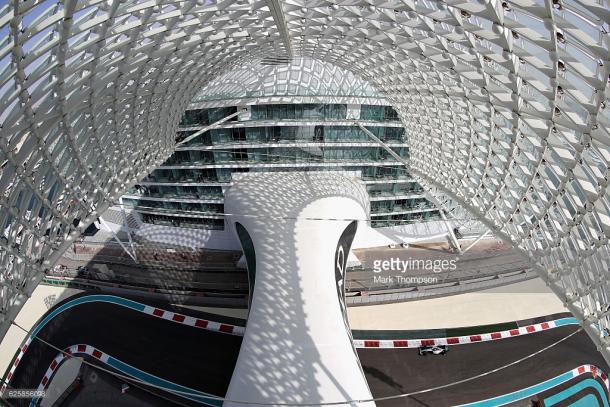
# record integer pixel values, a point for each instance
(477, 240)
(297, 347)
(128, 229)
(125, 249)
(449, 227)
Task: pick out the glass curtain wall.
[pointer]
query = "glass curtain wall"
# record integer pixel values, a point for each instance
(176, 188)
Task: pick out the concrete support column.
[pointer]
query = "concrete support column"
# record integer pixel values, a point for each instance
(297, 345)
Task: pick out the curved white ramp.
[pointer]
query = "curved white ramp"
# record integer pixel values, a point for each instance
(297, 346)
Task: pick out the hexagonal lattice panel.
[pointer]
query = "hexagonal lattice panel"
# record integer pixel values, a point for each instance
(505, 102)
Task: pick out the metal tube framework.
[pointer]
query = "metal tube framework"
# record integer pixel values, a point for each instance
(505, 103)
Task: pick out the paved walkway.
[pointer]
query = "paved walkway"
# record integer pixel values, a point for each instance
(42, 299)
(63, 378)
(489, 257)
(524, 300)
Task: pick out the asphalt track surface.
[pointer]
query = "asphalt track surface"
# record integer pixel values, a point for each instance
(395, 371)
(204, 360)
(197, 358)
(102, 389)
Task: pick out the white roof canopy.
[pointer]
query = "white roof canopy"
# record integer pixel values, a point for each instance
(505, 104)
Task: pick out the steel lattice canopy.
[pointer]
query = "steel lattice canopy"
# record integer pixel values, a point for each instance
(505, 104)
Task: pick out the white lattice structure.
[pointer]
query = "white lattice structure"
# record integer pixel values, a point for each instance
(505, 102)
(301, 77)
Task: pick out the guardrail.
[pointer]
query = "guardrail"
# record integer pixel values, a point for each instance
(352, 299)
(460, 275)
(238, 300)
(437, 290)
(155, 282)
(127, 261)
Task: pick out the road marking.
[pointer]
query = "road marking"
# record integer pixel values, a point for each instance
(461, 340)
(204, 398)
(127, 369)
(239, 330)
(131, 304)
(576, 388)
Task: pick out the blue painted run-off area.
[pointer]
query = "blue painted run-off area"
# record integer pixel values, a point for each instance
(124, 368)
(544, 386)
(589, 401)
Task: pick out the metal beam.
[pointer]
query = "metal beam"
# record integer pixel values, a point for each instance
(477, 240)
(449, 227)
(103, 222)
(209, 127)
(128, 229)
(280, 21)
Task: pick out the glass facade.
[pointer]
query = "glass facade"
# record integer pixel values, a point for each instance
(380, 113)
(183, 221)
(400, 205)
(394, 188)
(182, 185)
(299, 112)
(292, 134)
(177, 191)
(204, 117)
